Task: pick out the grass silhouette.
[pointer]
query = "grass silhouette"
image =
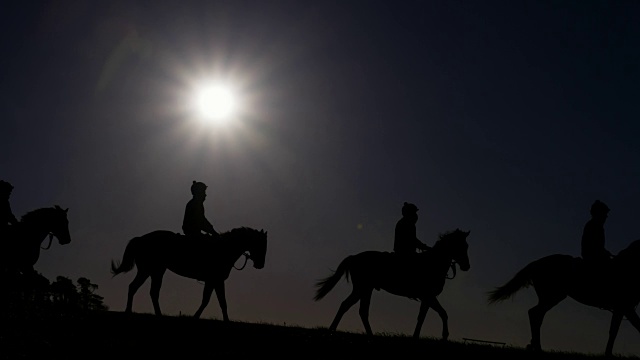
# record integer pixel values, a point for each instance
(116, 335)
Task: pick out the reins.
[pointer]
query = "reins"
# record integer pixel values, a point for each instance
(246, 257)
(50, 241)
(453, 268)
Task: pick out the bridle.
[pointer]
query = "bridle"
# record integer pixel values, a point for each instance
(247, 256)
(453, 269)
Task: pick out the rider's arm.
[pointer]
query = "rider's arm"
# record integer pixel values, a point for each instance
(422, 246)
(208, 227)
(9, 214)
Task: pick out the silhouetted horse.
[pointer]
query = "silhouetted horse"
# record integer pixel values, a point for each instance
(21, 247)
(206, 260)
(417, 276)
(613, 287)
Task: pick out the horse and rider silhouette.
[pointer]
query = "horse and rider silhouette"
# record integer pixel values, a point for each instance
(22, 239)
(201, 253)
(413, 270)
(21, 242)
(598, 279)
(403, 272)
(419, 278)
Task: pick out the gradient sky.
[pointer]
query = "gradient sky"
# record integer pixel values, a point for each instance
(504, 118)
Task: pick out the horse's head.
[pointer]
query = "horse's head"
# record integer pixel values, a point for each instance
(456, 244)
(258, 248)
(51, 220)
(60, 225)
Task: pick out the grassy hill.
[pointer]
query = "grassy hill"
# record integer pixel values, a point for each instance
(115, 335)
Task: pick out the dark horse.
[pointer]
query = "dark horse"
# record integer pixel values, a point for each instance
(206, 260)
(22, 244)
(612, 287)
(420, 277)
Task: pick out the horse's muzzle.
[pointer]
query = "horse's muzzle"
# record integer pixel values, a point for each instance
(64, 240)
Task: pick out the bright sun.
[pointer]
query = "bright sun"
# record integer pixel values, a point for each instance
(216, 103)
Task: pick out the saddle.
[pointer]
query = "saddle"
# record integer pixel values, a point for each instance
(418, 267)
(596, 274)
(8, 232)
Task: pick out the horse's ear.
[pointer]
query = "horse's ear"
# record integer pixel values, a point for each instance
(66, 210)
(468, 232)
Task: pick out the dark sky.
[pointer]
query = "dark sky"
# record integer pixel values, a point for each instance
(504, 118)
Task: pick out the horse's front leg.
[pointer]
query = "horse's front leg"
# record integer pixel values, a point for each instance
(206, 297)
(435, 305)
(422, 314)
(222, 300)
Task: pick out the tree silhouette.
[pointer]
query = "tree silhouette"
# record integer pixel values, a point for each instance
(64, 292)
(88, 299)
(40, 291)
(39, 296)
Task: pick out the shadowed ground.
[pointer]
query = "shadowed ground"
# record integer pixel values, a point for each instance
(115, 335)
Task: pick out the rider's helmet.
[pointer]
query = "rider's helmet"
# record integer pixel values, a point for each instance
(198, 187)
(599, 208)
(409, 209)
(5, 187)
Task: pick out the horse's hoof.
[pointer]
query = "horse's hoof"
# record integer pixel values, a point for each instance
(533, 348)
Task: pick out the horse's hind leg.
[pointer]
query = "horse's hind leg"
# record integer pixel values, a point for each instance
(616, 319)
(537, 313)
(346, 305)
(365, 303)
(140, 278)
(156, 283)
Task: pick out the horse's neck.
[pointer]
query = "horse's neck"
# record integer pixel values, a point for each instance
(441, 259)
(31, 233)
(235, 247)
(27, 235)
(628, 264)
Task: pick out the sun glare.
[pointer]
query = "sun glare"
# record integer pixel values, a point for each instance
(215, 103)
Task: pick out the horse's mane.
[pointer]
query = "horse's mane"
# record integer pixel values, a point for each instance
(632, 249)
(34, 214)
(243, 229)
(446, 236)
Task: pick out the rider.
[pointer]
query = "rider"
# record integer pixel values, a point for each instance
(593, 239)
(194, 221)
(405, 241)
(6, 215)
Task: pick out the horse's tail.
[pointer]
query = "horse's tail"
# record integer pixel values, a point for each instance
(521, 280)
(128, 259)
(326, 284)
